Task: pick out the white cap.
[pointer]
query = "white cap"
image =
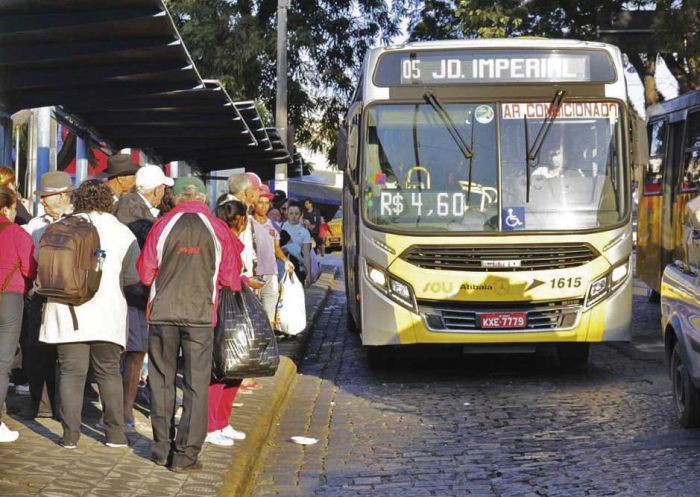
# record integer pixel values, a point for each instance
(151, 177)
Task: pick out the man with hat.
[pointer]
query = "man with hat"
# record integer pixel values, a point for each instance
(137, 210)
(188, 257)
(120, 174)
(55, 197)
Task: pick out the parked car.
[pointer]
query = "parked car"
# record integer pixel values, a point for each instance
(335, 241)
(680, 322)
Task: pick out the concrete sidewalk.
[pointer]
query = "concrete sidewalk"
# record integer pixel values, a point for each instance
(37, 465)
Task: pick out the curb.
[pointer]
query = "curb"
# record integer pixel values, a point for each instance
(240, 474)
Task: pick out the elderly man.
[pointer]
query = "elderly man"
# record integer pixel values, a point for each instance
(120, 174)
(242, 188)
(188, 256)
(137, 211)
(55, 197)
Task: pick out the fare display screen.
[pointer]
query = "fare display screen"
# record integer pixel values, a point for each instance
(423, 204)
(494, 66)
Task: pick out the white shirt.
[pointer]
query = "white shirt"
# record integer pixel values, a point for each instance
(103, 318)
(154, 212)
(298, 233)
(248, 256)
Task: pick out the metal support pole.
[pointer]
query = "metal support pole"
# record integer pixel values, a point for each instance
(281, 103)
(281, 177)
(81, 160)
(5, 139)
(43, 135)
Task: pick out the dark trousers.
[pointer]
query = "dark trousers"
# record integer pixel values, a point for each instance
(74, 359)
(164, 343)
(11, 305)
(39, 359)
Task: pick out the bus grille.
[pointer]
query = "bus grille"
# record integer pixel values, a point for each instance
(465, 316)
(485, 258)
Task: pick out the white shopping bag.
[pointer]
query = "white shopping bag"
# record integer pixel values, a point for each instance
(291, 307)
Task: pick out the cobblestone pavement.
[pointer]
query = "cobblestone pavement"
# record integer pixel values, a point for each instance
(36, 465)
(488, 426)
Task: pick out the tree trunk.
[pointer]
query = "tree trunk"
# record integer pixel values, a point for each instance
(651, 95)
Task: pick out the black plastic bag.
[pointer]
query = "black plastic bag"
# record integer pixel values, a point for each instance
(244, 343)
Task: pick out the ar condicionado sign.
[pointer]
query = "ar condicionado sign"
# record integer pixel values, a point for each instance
(568, 110)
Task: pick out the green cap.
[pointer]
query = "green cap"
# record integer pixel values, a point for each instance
(188, 186)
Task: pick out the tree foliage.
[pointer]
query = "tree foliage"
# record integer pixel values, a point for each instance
(235, 41)
(678, 29)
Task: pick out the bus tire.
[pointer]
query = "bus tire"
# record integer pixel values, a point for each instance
(653, 296)
(686, 396)
(573, 354)
(379, 357)
(351, 324)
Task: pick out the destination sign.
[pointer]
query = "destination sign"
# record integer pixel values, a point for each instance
(567, 110)
(494, 66)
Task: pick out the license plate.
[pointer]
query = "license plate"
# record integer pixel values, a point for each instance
(335, 239)
(503, 320)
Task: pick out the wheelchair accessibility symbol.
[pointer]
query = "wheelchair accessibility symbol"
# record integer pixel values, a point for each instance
(513, 218)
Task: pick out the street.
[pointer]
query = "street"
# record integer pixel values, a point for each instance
(452, 424)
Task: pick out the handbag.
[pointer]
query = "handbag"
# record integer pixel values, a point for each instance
(244, 343)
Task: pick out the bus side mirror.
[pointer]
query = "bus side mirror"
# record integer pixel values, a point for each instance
(342, 148)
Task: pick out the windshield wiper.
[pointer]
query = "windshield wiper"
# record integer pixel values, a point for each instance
(467, 150)
(532, 153)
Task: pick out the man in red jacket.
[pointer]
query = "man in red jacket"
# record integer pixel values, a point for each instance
(187, 259)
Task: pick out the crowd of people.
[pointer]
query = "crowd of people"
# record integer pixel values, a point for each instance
(162, 260)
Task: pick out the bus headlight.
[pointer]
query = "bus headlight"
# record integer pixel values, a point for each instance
(376, 276)
(597, 291)
(605, 285)
(401, 290)
(397, 290)
(619, 274)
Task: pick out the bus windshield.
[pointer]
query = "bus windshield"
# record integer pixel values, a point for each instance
(418, 179)
(416, 174)
(576, 181)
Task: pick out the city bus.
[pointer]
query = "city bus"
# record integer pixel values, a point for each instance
(487, 197)
(669, 181)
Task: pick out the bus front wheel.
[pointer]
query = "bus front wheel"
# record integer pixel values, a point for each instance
(573, 354)
(353, 327)
(653, 296)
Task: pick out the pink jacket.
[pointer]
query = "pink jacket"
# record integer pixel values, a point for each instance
(16, 246)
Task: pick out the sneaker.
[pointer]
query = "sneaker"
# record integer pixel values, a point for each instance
(7, 435)
(66, 445)
(233, 433)
(116, 445)
(133, 426)
(218, 438)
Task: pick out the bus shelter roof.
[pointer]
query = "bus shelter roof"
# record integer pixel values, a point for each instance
(120, 70)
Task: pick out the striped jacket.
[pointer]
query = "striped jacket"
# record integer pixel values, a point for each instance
(188, 257)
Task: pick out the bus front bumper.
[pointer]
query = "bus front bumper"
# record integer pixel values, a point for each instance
(384, 322)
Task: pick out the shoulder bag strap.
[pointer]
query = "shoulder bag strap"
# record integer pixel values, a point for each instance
(255, 245)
